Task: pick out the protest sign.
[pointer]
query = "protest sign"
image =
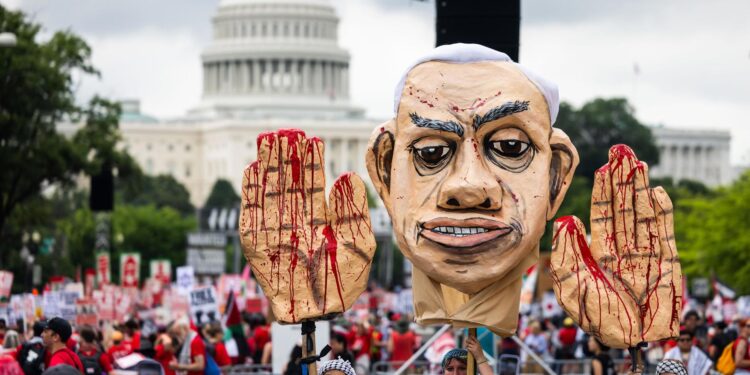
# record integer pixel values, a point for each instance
(86, 312)
(6, 282)
(204, 307)
(103, 274)
(161, 269)
(130, 269)
(185, 279)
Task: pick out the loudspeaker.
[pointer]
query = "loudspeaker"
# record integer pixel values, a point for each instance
(102, 197)
(492, 23)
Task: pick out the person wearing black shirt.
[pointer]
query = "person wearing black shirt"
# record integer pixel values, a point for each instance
(601, 362)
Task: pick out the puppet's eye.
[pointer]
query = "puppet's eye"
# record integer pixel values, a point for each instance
(511, 148)
(431, 155)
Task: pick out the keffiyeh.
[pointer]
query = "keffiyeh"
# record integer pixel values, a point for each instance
(336, 364)
(461, 354)
(670, 366)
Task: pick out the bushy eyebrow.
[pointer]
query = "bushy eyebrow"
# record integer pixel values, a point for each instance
(448, 126)
(506, 109)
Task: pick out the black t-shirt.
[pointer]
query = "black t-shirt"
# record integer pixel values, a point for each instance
(720, 341)
(608, 367)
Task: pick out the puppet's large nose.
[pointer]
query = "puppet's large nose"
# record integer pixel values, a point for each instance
(470, 184)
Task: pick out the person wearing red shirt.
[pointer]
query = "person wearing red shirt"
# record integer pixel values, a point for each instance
(192, 356)
(164, 352)
(90, 350)
(120, 347)
(402, 343)
(361, 348)
(215, 346)
(54, 336)
(133, 331)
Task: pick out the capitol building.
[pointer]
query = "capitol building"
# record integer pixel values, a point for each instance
(270, 65)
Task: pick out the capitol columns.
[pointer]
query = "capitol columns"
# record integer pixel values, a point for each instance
(256, 76)
(293, 76)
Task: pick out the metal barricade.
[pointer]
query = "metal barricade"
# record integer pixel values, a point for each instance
(251, 369)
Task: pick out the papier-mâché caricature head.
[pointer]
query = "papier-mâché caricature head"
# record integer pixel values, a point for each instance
(470, 169)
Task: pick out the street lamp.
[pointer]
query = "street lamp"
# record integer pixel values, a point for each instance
(8, 40)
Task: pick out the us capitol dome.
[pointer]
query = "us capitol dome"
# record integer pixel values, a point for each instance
(270, 58)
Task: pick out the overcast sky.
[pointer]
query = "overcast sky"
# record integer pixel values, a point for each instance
(693, 56)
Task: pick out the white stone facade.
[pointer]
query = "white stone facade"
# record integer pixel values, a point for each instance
(700, 155)
(272, 64)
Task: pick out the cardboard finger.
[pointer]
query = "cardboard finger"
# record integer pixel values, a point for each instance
(602, 224)
(622, 162)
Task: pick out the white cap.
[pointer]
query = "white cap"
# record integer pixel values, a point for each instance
(468, 53)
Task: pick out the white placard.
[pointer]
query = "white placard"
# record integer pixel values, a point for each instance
(185, 279)
(204, 307)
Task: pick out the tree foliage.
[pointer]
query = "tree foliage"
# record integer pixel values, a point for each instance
(36, 81)
(222, 195)
(160, 191)
(600, 124)
(712, 237)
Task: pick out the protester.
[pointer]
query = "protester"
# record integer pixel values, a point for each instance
(55, 336)
(719, 341)
(165, 348)
(32, 353)
(336, 367)
(361, 348)
(692, 322)
(402, 343)
(340, 348)
(92, 358)
(601, 363)
(293, 367)
(11, 344)
(696, 362)
(454, 362)
(671, 367)
(120, 347)
(132, 331)
(215, 347)
(192, 355)
(537, 341)
(742, 349)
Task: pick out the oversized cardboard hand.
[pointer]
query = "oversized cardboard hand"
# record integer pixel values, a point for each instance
(626, 286)
(312, 259)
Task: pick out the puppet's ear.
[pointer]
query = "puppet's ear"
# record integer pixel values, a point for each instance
(379, 159)
(563, 165)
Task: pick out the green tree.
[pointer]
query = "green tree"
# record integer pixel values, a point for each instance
(160, 191)
(222, 195)
(711, 234)
(577, 202)
(600, 124)
(36, 82)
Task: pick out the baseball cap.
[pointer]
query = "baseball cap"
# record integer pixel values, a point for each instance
(61, 370)
(61, 327)
(117, 336)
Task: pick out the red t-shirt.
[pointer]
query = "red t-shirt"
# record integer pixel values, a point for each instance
(361, 346)
(164, 357)
(567, 336)
(104, 360)
(221, 356)
(120, 350)
(197, 347)
(65, 356)
(403, 346)
(136, 342)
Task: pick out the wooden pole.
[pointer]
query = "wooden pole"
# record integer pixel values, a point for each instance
(471, 365)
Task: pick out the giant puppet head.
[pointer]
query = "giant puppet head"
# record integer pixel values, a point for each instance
(470, 169)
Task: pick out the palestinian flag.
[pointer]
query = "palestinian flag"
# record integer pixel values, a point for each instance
(233, 321)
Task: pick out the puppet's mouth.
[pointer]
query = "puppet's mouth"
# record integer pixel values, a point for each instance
(463, 233)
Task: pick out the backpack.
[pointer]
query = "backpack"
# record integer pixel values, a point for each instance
(212, 368)
(31, 358)
(725, 364)
(91, 364)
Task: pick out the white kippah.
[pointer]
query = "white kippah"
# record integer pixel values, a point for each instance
(336, 364)
(468, 53)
